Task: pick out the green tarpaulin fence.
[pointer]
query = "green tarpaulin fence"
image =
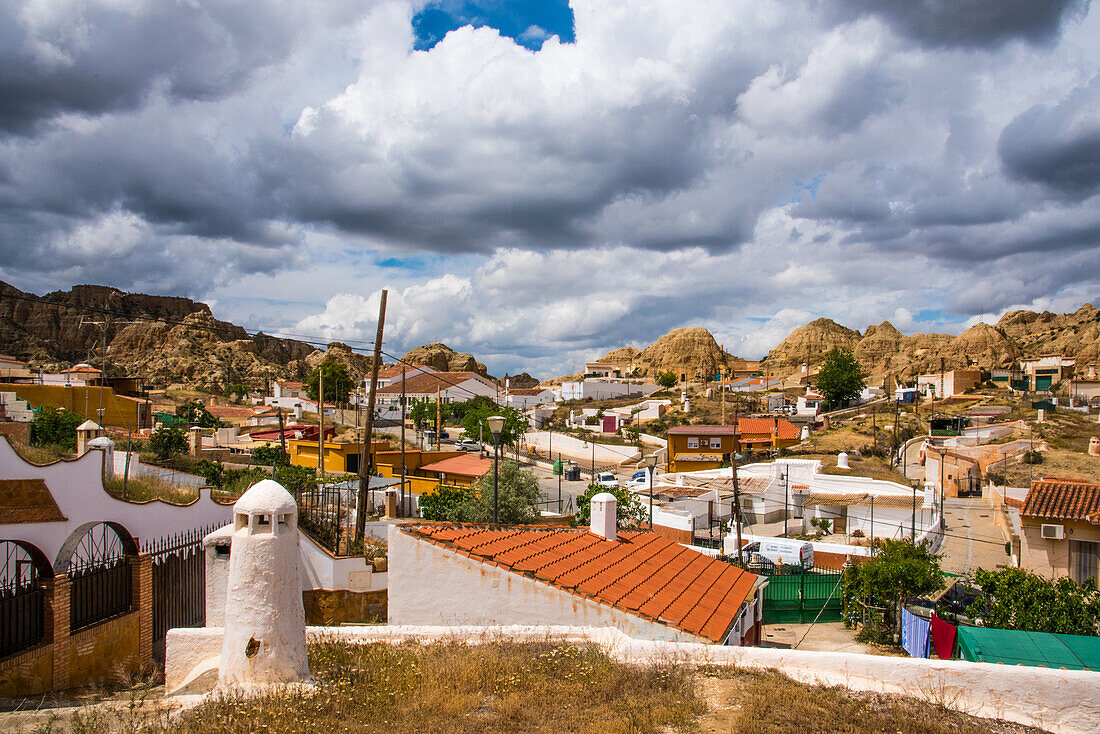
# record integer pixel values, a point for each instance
(1045, 649)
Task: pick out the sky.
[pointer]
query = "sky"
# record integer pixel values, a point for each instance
(537, 182)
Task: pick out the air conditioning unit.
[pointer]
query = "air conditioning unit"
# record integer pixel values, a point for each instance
(1053, 532)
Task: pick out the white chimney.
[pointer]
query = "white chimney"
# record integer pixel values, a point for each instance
(602, 509)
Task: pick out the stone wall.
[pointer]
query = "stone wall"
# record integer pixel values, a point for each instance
(106, 652)
(327, 607)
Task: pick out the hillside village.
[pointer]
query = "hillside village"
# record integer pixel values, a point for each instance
(166, 477)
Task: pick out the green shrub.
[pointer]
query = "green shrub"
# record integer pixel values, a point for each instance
(55, 426)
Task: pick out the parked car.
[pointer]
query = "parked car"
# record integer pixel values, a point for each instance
(467, 444)
(607, 479)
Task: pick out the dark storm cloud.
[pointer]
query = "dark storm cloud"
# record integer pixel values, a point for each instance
(94, 57)
(1057, 146)
(970, 23)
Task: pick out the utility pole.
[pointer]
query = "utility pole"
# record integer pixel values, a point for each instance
(736, 487)
(282, 432)
(438, 420)
(408, 510)
(321, 416)
(364, 451)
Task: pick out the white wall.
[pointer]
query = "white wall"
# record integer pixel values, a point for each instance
(1060, 701)
(575, 448)
(439, 586)
(77, 487)
(603, 390)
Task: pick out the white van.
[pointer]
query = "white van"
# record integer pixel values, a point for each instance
(787, 551)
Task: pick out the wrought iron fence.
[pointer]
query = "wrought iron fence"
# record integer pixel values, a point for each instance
(101, 577)
(325, 513)
(100, 590)
(22, 602)
(179, 582)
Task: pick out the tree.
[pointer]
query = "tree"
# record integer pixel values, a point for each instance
(629, 510)
(475, 421)
(899, 569)
(1016, 599)
(167, 442)
(840, 378)
(270, 456)
(55, 426)
(422, 413)
(443, 502)
(337, 382)
(195, 413)
(667, 379)
(517, 498)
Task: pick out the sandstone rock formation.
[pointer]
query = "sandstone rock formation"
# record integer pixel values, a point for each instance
(1074, 334)
(444, 359)
(158, 338)
(810, 343)
(689, 353)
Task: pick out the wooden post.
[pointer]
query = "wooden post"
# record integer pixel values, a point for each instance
(321, 418)
(438, 420)
(364, 452)
(405, 511)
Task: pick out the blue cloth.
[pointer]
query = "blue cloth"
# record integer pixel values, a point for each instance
(914, 634)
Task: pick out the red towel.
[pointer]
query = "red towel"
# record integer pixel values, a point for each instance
(943, 637)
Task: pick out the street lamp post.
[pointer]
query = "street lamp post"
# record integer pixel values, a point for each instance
(496, 425)
(651, 465)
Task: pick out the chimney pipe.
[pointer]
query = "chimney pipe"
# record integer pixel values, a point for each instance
(602, 510)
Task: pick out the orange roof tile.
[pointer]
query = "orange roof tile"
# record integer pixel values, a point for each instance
(1062, 499)
(641, 573)
(468, 465)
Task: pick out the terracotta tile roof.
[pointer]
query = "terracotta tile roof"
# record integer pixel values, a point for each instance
(428, 382)
(641, 573)
(863, 499)
(527, 390)
(290, 385)
(27, 500)
(230, 411)
(1062, 499)
(766, 426)
(702, 431)
(467, 465)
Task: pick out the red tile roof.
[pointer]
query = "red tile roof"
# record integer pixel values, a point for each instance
(428, 382)
(467, 465)
(753, 426)
(641, 573)
(230, 411)
(1062, 499)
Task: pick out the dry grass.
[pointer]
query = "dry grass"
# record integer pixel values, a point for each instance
(143, 489)
(742, 702)
(40, 454)
(508, 687)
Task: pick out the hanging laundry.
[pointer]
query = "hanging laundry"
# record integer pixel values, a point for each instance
(943, 637)
(914, 634)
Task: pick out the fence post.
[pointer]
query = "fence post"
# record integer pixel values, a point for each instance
(141, 584)
(57, 627)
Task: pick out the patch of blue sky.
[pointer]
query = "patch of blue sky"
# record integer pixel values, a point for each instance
(811, 187)
(528, 22)
(401, 263)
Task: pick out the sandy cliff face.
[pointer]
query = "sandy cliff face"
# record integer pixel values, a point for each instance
(692, 351)
(810, 343)
(444, 359)
(148, 336)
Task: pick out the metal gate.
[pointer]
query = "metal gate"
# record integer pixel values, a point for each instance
(22, 608)
(179, 584)
(802, 597)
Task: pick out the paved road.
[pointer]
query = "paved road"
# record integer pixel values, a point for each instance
(972, 540)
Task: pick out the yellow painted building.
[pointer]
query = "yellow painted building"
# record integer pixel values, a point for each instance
(339, 457)
(119, 411)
